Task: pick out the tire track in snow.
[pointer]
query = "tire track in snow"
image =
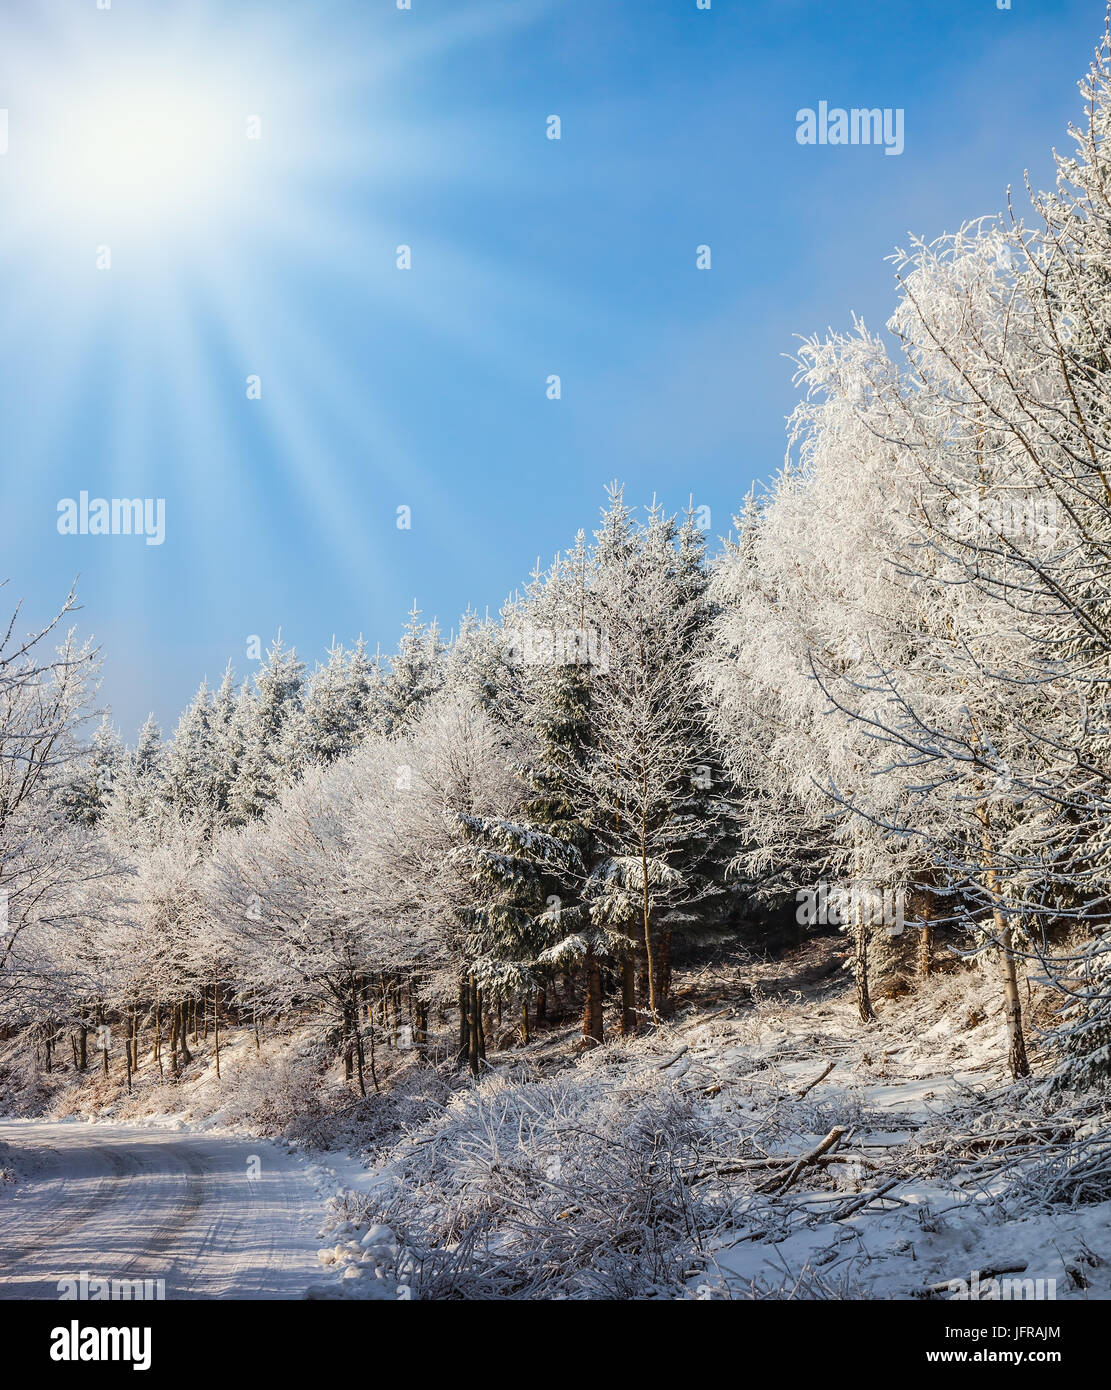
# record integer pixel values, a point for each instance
(181, 1209)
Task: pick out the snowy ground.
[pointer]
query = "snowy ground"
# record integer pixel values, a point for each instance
(657, 1168)
(650, 1168)
(127, 1203)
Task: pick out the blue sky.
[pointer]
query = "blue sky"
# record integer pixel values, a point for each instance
(426, 388)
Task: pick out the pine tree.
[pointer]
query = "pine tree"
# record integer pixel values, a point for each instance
(534, 919)
(225, 755)
(190, 767)
(91, 778)
(134, 811)
(340, 708)
(416, 673)
(1083, 1035)
(259, 729)
(643, 784)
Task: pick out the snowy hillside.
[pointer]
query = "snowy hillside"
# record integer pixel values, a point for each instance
(771, 1146)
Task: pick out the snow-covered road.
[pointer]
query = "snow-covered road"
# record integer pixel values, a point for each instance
(215, 1217)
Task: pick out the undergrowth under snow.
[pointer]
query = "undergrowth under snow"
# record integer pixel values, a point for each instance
(668, 1167)
(774, 1148)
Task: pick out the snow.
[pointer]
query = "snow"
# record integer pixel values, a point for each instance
(893, 1255)
(499, 1195)
(904, 1077)
(129, 1190)
(128, 1202)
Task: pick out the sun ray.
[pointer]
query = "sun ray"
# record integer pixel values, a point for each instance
(180, 254)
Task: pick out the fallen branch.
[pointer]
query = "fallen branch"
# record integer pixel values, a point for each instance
(742, 1165)
(807, 1089)
(778, 1185)
(945, 1285)
(864, 1201)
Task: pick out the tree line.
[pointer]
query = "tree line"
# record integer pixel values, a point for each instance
(893, 673)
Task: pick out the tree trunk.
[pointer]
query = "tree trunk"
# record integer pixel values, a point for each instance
(359, 1056)
(370, 1034)
(464, 1012)
(1016, 1041)
(663, 965)
(216, 1021)
(863, 994)
(646, 912)
(592, 1001)
(474, 1027)
(628, 994)
(925, 948)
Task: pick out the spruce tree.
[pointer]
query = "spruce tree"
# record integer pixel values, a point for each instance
(259, 731)
(92, 775)
(416, 673)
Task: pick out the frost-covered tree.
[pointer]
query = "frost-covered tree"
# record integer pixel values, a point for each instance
(353, 878)
(258, 737)
(415, 674)
(134, 813)
(340, 707)
(649, 746)
(454, 771)
(979, 683)
(90, 783)
(532, 870)
(44, 856)
(191, 764)
(617, 821)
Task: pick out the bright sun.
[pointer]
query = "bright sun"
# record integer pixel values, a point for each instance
(152, 155)
(193, 193)
(160, 156)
